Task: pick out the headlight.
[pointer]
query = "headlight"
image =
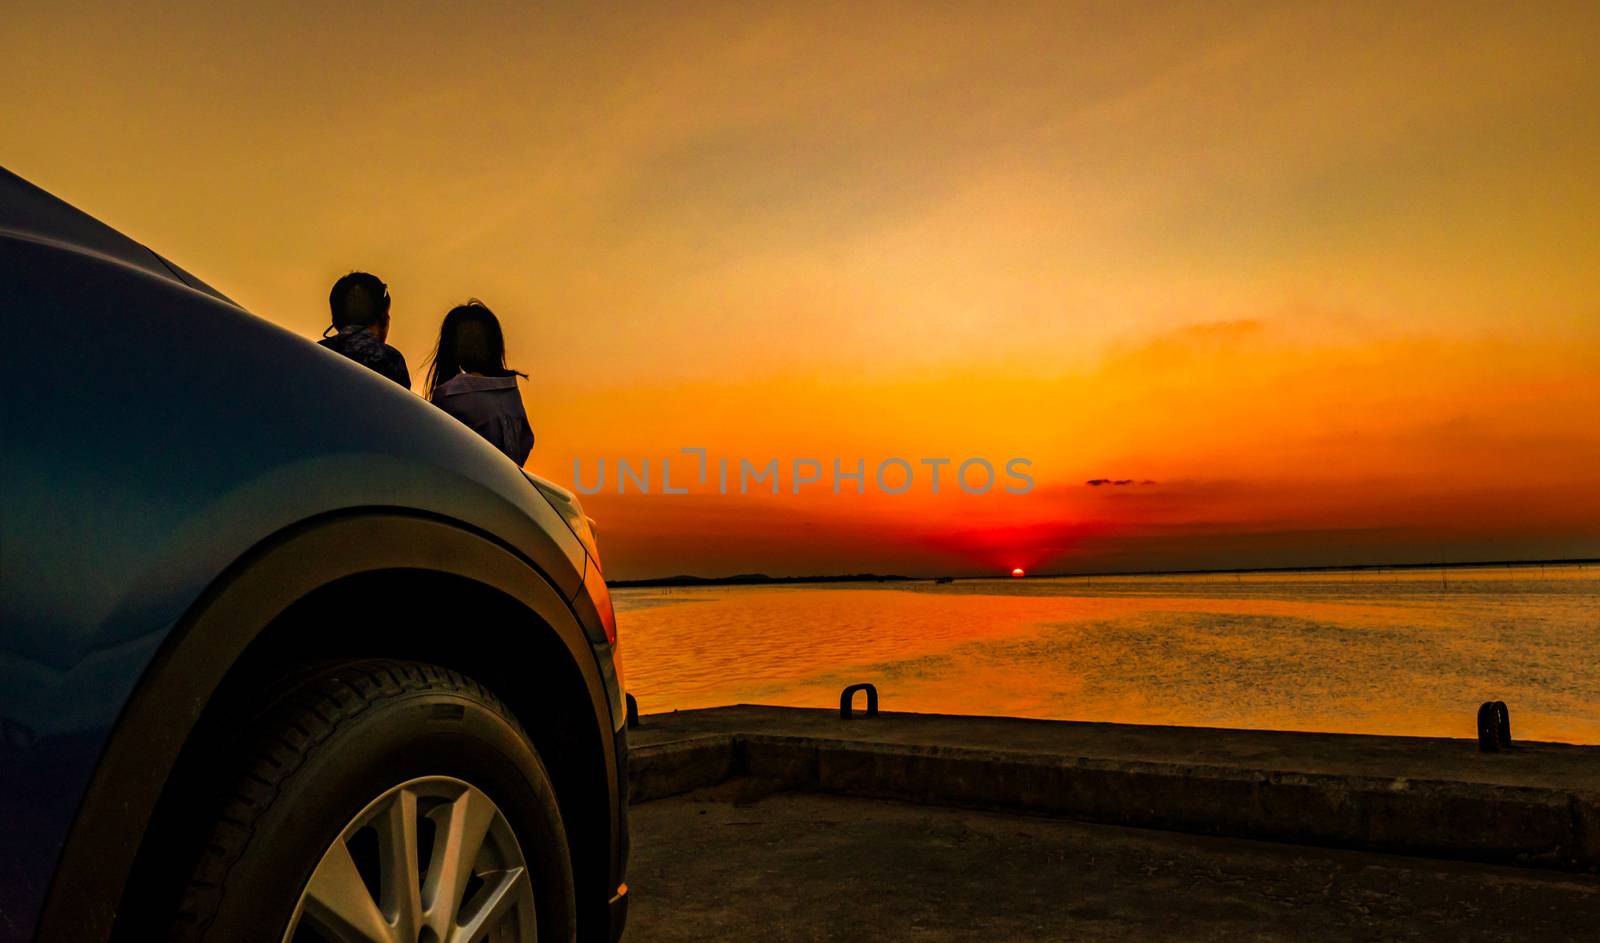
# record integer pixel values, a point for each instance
(566, 504)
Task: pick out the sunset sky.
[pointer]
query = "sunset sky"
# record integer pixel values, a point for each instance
(1327, 278)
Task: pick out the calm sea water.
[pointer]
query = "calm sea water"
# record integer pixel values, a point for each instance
(1390, 652)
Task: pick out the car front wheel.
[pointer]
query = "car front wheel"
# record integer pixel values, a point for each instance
(385, 801)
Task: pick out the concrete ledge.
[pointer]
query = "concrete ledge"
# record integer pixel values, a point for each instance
(1448, 819)
(1467, 816)
(658, 770)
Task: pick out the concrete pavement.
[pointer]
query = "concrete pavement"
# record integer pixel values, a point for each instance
(1538, 805)
(737, 863)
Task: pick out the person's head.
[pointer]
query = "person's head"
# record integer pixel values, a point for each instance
(470, 341)
(360, 300)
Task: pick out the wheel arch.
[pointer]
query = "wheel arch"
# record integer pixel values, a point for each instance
(362, 584)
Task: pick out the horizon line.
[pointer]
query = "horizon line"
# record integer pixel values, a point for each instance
(737, 578)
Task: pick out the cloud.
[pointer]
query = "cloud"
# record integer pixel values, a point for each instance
(1116, 482)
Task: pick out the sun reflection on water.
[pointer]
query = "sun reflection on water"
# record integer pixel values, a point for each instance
(1396, 653)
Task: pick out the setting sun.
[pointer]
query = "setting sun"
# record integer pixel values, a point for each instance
(1016, 571)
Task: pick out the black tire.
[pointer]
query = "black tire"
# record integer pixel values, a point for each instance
(333, 744)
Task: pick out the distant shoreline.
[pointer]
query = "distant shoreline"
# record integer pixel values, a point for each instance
(762, 579)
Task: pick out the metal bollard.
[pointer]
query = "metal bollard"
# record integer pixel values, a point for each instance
(633, 710)
(1494, 727)
(848, 695)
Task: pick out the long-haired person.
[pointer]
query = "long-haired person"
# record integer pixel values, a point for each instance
(468, 379)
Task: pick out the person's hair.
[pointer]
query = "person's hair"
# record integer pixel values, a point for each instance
(358, 300)
(470, 341)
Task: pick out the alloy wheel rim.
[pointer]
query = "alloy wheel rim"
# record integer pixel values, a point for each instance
(432, 860)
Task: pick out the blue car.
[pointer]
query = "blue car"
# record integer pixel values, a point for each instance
(287, 653)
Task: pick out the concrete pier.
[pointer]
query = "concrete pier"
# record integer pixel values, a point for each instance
(1538, 805)
(728, 863)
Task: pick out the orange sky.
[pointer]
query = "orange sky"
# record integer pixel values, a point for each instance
(1326, 276)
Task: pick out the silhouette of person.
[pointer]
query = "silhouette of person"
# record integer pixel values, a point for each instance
(468, 379)
(360, 306)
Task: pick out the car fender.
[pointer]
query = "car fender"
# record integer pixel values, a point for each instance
(197, 654)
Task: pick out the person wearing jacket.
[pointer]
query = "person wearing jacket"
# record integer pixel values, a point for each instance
(360, 330)
(468, 379)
